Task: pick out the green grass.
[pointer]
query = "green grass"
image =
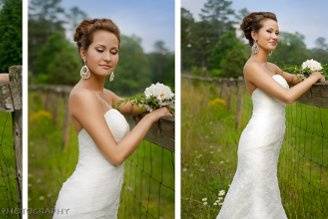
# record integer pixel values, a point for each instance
(209, 153)
(50, 164)
(8, 188)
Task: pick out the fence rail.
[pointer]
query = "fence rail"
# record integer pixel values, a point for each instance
(162, 133)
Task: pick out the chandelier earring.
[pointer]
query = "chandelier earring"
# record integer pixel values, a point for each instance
(85, 72)
(255, 48)
(111, 77)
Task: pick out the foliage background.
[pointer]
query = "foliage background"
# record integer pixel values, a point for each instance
(212, 45)
(54, 59)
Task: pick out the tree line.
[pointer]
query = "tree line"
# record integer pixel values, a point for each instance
(211, 46)
(53, 59)
(10, 34)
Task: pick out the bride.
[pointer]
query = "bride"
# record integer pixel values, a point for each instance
(93, 190)
(254, 191)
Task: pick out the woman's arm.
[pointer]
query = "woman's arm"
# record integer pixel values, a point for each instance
(290, 78)
(259, 77)
(92, 120)
(125, 107)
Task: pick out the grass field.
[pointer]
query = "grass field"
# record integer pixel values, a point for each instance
(149, 173)
(209, 153)
(8, 191)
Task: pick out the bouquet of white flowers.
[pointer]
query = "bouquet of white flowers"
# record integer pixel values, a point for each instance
(155, 96)
(310, 66)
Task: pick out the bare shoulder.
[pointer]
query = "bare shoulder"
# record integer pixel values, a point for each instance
(81, 98)
(252, 68)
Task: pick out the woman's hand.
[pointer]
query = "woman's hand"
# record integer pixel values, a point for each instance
(159, 113)
(319, 75)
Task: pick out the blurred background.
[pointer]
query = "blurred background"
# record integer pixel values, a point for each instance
(212, 43)
(147, 46)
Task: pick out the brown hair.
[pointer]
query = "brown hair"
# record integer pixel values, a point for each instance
(84, 32)
(253, 22)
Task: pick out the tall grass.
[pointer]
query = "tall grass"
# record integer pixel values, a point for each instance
(8, 188)
(209, 153)
(50, 164)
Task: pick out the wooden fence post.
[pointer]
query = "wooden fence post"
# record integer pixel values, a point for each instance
(15, 84)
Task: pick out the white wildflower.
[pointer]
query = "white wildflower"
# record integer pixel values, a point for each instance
(204, 203)
(221, 192)
(204, 199)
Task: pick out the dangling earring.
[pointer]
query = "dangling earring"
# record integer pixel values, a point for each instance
(111, 77)
(255, 48)
(85, 72)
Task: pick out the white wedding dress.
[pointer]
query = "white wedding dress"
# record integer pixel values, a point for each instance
(93, 190)
(254, 191)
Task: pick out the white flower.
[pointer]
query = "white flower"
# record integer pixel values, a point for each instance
(312, 65)
(204, 199)
(204, 203)
(215, 203)
(221, 192)
(161, 92)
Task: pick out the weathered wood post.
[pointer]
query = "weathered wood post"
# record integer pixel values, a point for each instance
(11, 101)
(15, 84)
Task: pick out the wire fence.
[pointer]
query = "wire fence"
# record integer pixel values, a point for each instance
(148, 189)
(303, 162)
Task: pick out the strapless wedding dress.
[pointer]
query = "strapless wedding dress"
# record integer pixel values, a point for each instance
(93, 190)
(254, 191)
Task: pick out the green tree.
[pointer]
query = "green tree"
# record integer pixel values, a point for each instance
(161, 63)
(45, 18)
(291, 50)
(228, 56)
(58, 61)
(187, 21)
(216, 19)
(133, 72)
(74, 17)
(11, 34)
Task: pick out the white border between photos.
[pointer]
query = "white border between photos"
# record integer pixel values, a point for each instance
(25, 110)
(177, 150)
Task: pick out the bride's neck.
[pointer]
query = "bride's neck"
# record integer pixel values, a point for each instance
(261, 56)
(95, 83)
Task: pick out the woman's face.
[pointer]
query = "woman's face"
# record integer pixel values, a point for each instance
(267, 36)
(102, 54)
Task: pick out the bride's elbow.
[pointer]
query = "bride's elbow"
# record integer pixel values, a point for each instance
(116, 160)
(288, 99)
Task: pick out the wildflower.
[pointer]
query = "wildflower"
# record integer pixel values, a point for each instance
(221, 192)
